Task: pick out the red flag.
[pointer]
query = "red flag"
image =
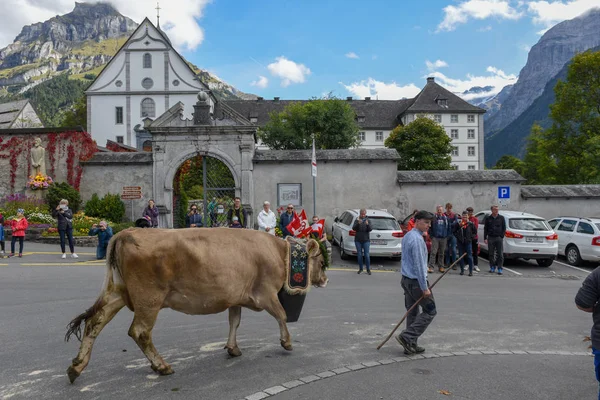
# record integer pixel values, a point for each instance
(293, 226)
(318, 228)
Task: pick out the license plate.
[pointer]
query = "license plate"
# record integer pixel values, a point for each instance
(379, 242)
(534, 239)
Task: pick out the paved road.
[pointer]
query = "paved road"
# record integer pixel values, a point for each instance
(527, 323)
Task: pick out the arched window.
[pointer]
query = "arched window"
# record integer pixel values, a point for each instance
(147, 60)
(148, 108)
(147, 146)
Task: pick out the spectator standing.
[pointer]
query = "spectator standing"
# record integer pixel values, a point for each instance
(104, 233)
(494, 228)
(18, 225)
(2, 234)
(362, 240)
(64, 217)
(152, 212)
(587, 300)
(415, 284)
(212, 211)
(438, 232)
(463, 232)
(475, 243)
(411, 222)
(285, 219)
(453, 219)
(238, 212)
(267, 219)
(316, 228)
(193, 219)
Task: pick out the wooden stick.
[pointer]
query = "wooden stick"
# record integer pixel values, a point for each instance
(417, 303)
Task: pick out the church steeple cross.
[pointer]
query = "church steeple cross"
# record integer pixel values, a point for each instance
(157, 15)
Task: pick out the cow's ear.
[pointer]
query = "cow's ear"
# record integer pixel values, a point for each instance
(312, 248)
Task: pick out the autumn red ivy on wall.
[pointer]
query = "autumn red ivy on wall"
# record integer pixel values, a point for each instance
(79, 146)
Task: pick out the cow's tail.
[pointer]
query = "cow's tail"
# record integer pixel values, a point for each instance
(74, 327)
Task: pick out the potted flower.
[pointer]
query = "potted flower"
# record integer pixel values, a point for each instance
(39, 182)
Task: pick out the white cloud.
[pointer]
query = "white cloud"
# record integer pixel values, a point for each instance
(179, 18)
(262, 82)
(525, 48)
(476, 9)
(432, 66)
(496, 78)
(381, 90)
(289, 71)
(550, 13)
(352, 55)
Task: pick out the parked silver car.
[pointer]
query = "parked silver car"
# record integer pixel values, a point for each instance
(578, 238)
(527, 236)
(386, 236)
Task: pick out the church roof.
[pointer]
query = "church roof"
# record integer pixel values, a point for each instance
(10, 111)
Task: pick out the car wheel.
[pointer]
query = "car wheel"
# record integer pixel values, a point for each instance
(396, 258)
(343, 254)
(333, 241)
(545, 262)
(573, 256)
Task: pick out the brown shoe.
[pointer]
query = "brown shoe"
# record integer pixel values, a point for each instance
(442, 269)
(430, 270)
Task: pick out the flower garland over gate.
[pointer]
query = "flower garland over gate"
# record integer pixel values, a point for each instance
(76, 145)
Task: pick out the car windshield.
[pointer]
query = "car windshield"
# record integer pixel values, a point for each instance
(528, 224)
(383, 224)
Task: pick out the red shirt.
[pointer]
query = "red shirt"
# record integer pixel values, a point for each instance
(18, 227)
(475, 221)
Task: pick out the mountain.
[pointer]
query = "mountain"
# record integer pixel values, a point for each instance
(493, 105)
(513, 138)
(546, 58)
(79, 44)
(477, 94)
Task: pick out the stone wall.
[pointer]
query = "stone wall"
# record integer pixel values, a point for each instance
(109, 172)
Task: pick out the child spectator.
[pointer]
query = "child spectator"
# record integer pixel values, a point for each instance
(104, 233)
(18, 225)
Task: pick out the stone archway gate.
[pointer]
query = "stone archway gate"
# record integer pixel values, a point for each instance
(222, 134)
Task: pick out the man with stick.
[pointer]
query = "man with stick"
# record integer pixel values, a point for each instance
(415, 284)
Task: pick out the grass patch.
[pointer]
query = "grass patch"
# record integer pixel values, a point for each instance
(92, 48)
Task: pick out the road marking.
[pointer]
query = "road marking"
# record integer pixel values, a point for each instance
(353, 270)
(54, 252)
(510, 270)
(78, 264)
(570, 266)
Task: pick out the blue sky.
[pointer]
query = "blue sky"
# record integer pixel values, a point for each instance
(304, 48)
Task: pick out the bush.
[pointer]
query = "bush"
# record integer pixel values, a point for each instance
(181, 211)
(116, 228)
(196, 192)
(63, 190)
(9, 205)
(110, 207)
(90, 77)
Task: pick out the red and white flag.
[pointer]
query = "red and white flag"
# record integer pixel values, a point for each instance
(318, 228)
(294, 226)
(314, 160)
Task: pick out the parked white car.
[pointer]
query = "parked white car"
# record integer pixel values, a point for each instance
(578, 238)
(386, 236)
(527, 236)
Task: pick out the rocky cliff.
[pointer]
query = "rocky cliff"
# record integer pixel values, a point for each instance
(545, 60)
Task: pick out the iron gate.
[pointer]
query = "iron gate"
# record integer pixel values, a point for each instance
(219, 192)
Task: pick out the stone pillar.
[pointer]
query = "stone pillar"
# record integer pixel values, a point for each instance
(247, 181)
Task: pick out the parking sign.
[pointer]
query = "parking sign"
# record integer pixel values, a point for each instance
(504, 192)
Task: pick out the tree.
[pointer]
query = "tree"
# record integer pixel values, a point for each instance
(511, 162)
(77, 115)
(423, 145)
(331, 120)
(569, 151)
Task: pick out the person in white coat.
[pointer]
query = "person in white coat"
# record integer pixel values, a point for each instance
(266, 219)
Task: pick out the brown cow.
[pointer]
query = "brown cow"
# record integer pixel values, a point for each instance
(195, 271)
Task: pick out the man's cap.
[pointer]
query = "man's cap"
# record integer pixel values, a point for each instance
(424, 215)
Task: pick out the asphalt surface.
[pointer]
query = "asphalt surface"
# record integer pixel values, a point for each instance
(516, 336)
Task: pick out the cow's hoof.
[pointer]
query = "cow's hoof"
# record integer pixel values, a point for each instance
(72, 374)
(234, 352)
(163, 370)
(287, 346)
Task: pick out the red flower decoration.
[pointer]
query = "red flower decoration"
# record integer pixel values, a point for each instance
(298, 277)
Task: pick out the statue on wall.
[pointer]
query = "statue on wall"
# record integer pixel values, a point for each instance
(38, 158)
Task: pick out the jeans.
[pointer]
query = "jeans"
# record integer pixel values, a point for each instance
(69, 235)
(417, 321)
(474, 247)
(13, 241)
(450, 255)
(496, 251)
(596, 354)
(360, 248)
(466, 248)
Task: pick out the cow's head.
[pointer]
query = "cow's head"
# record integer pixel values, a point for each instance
(319, 258)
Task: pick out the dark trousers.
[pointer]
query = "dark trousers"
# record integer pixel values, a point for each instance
(69, 234)
(450, 255)
(465, 248)
(475, 247)
(13, 241)
(2, 245)
(421, 316)
(596, 354)
(496, 251)
(363, 247)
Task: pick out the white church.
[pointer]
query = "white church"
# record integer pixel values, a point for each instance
(147, 76)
